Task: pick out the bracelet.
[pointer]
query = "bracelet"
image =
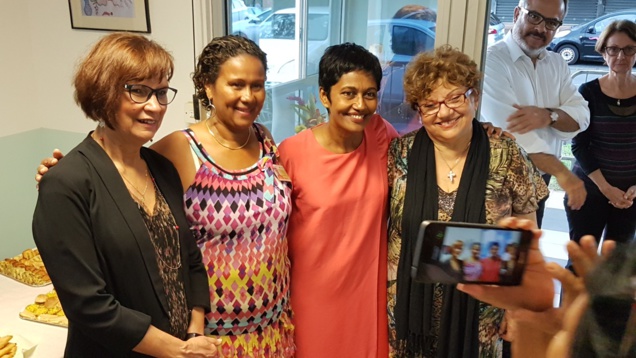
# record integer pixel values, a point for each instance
(192, 335)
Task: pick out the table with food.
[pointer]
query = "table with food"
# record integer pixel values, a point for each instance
(32, 322)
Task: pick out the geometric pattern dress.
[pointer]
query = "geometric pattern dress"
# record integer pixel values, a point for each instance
(239, 219)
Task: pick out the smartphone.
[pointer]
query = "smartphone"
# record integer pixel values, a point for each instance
(450, 252)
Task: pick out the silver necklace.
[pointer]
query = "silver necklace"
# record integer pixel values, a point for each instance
(249, 135)
(141, 193)
(451, 174)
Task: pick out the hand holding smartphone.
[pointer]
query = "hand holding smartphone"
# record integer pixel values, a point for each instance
(451, 252)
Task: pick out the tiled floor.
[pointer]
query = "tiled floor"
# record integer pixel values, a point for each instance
(555, 228)
(555, 234)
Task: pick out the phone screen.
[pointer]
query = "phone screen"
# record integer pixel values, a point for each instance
(449, 252)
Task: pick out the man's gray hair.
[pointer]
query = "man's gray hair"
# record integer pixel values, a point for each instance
(524, 4)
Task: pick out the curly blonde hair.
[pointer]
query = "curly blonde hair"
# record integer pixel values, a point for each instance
(445, 64)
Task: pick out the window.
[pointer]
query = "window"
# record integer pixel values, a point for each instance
(395, 39)
(601, 25)
(294, 42)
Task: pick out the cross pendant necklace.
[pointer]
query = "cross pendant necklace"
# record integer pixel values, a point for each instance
(451, 174)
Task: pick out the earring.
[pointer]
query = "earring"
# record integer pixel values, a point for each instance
(211, 109)
(101, 124)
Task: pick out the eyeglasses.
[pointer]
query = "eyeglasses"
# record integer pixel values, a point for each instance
(142, 94)
(454, 101)
(614, 51)
(535, 19)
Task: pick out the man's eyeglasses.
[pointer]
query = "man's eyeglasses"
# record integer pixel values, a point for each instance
(454, 101)
(142, 94)
(614, 51)
(535, 19)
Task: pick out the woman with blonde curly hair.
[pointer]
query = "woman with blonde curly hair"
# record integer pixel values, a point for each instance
(448, 170)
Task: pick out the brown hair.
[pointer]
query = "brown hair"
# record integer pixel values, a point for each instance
(214, 55)
(416, 12)
(446, 64)
(113, 61)
(625, 26)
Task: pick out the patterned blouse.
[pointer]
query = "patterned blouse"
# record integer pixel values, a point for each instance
(165, 239)
(514, 186)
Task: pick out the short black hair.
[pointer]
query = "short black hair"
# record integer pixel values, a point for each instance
(605, 323)
(341, 59)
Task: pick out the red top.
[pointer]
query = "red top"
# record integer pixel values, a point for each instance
(337, 244)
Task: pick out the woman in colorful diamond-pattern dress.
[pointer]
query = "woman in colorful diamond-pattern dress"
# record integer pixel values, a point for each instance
(237, 201)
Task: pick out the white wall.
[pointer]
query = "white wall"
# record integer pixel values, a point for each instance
(38, 52)
(16, 77)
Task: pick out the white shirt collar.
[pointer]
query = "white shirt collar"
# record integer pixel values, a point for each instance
(515, 50)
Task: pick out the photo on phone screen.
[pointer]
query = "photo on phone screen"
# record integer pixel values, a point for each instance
(449, 252)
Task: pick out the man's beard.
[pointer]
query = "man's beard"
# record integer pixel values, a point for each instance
(520, 40)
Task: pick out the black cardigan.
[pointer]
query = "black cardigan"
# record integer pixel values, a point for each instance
(98, 252)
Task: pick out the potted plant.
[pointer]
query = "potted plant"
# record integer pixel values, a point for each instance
(307, 113)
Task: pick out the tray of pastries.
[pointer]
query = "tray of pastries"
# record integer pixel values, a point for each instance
(46, 309)
(27, 268)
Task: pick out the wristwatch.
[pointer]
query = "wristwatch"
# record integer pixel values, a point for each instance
(554, 116)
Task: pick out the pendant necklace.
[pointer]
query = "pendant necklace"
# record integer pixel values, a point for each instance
(451, 174)
(618, 102)
(249, 135)
(142, 193)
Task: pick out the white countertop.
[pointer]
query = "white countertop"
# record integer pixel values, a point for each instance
(14, 297)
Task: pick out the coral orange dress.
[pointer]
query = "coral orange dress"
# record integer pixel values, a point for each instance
(337, 244)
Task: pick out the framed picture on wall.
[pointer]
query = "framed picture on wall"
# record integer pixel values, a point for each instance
(110, 15)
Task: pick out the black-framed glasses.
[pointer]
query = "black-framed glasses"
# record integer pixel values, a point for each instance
(452, 102)
(614, 50)
(535, 19)
(142, 94)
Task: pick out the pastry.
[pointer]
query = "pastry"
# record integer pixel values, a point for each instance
(27, 268)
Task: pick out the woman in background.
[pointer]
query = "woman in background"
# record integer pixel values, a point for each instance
(109, 222)
(448, 170)
(606, 152)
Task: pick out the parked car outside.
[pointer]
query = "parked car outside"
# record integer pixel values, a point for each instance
(577, 43)
(279, 38)
(253, 11)
(239, 10)
(496, 30)
(250, 28)
(395, 42)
